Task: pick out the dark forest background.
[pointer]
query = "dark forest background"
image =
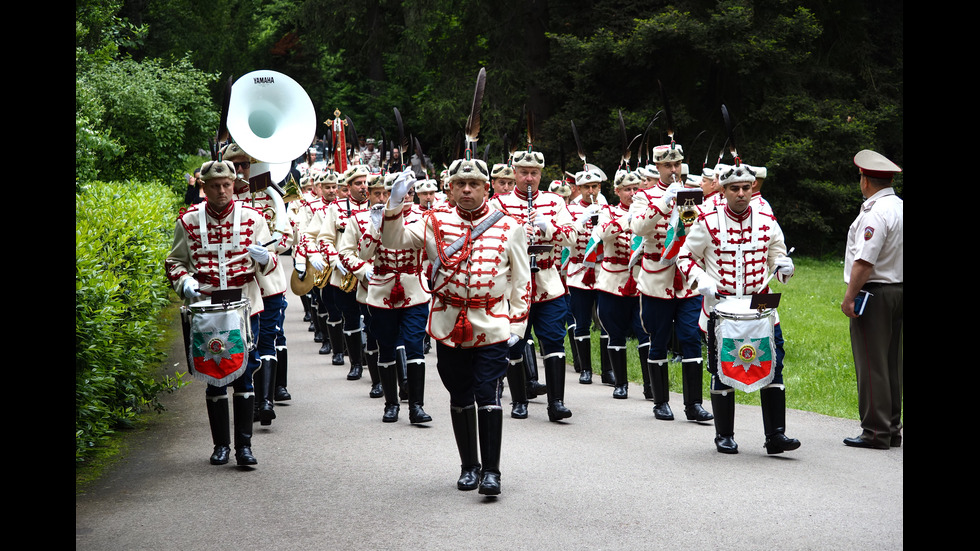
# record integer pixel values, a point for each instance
(808, 83)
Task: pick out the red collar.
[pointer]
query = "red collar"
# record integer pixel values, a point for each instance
(475, 214)
(738, 217)
(219, 215)
(523, 194)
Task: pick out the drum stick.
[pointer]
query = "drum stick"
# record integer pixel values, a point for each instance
(229, 261)
(766, 284)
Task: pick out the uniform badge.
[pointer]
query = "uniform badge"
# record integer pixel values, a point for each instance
(869, 232)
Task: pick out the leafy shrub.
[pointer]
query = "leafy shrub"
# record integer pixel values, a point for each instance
(123, 232)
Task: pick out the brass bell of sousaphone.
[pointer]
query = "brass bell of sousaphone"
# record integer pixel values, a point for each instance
(272, 119)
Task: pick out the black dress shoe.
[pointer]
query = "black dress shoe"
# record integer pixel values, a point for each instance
(391, 414)
(585, 377)
(377, 391)
(695, 412)
(620, 392)
(220, 455)
(469, 478)
(282, 394)
(663, 412)
(557, 411)
(726, 444)
(338, 359)
(266, 413)
(858, 442)
(779, 443)
(355, 373)
(518, 410)
(243, 456)
(418, 415)
(536, 388)
(490, 484)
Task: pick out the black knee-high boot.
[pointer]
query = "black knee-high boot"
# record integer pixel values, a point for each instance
(264, 383)
(218, 420)
(583, 346)
(490, 422)
(691, 372)
(243, 405)
(554, 370)
(375, 373)
(389, 384)
(517, 383)
(660, 381)
(617, 359)
(724, 407)
(416, 392)
(465, 430)
(774, 420)
(336, 333)
(354, 349)
(282, 368)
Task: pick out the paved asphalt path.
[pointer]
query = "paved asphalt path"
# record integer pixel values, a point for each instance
(332, 476)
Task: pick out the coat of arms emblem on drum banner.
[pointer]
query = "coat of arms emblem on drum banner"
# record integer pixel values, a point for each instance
(218, 352)
(746, 353)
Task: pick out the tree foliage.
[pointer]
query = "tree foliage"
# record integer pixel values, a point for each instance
(809, 83)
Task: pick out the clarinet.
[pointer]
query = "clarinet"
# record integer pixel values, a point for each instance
(595, 217)
(530, 210)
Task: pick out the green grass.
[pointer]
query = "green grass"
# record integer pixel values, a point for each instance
(818, 369)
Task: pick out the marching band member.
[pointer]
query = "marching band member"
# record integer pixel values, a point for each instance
(548, 222)
(347, 254)
(398, 304)
(502, 179)
(218, 245)
(618, 300)
(730, 251)
(327, 236)
(582, 272)
(271, 343)
(480, 287)
(666, 304)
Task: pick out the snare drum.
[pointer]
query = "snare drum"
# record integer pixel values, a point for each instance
(745, 344)
(220, 339)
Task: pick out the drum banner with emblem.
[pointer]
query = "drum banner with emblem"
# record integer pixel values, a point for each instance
(219, 347)
(746, 353)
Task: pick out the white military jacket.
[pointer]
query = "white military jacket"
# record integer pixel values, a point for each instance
(212, 248)
(547, 283)
(480, 292)
(651, 218)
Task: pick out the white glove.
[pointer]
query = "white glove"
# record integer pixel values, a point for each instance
(399, 189)
(192, 289)
(784, 265)
(259, 253)
(512, 340)
(301, 268)
(317, 262)
(369, 277)
(340, 268)
(377, 216)
(707, 287)
(590, 211)
(671, 193)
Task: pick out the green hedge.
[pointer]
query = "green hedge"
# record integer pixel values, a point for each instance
(123, 232)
